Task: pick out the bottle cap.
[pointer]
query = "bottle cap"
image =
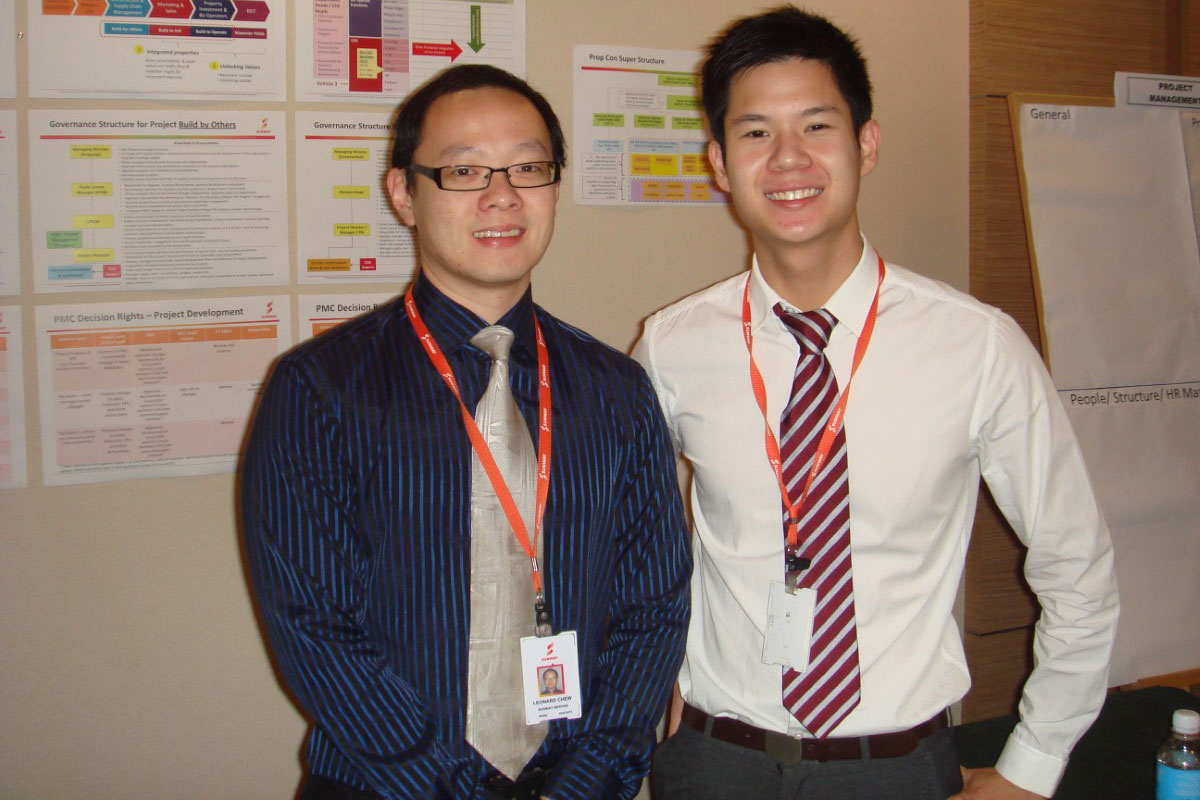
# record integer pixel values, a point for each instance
(1186, 721)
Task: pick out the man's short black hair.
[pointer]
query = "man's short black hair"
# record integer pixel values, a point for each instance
(778, 35)
(411, 116)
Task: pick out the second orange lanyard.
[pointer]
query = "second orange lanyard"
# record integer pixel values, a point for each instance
(832, 425)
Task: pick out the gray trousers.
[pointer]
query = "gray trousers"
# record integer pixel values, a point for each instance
(693, 766)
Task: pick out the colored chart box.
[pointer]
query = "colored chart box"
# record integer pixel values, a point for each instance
(653, 146)
(64, 240)
(91, 151)
(252, 11)
(367, 65)
(125, 29)
(94, 255)
(664, 165)
(69, 273)
(112, 338)
(649, 121)
(366, 76)
(351, 192)
(608, 120)
(656, 191)
(351, 229)
(683, 102)
(92, 221)
(652, 190)
(675, 191)
(351, 154)
(328, 265)
(172, 9)
(263, 331)
(91, 190)
(679, 79)
(639, 164)
(687, 124)
(694, 164)
(128, 8)
(213, 9)
(65, 341)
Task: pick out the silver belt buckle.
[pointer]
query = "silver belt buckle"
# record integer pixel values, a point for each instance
(782, 747)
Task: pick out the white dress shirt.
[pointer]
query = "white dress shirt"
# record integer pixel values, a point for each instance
(949, 389)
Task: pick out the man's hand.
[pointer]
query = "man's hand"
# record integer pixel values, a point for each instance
(987, 784)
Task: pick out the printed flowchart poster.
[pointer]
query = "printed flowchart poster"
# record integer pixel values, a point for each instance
(10, 239)
(378, 51)
(639, 128)
(163, 49)
(8, 58)
(13, 470)
(152, 389)
(346, 229)
(319, 313)
(168, 199)
(1118, 268)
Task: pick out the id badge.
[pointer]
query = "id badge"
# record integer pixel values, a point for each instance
(789, 626)
(550, 674)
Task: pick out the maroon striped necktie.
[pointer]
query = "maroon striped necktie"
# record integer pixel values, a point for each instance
(822, 695)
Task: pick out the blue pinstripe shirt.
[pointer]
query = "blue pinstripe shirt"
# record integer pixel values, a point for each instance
(356, 514)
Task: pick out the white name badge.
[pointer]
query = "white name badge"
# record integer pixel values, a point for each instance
(789, 626)
(550, 673)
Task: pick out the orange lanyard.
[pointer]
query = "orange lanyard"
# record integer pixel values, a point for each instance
(832, 425)
(481, 446)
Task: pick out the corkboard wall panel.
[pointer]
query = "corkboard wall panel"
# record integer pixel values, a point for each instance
(1069, 46)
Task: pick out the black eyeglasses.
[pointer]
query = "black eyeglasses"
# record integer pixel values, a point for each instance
(471, 178)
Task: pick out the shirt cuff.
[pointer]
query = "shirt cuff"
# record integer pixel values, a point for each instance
(1031, 769)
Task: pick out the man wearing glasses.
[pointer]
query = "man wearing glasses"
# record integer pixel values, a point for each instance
(407, 540)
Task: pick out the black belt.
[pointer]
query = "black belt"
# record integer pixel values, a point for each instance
(527, 786)
(791, 749)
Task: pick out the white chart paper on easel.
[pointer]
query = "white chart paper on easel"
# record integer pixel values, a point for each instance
(1109, 193)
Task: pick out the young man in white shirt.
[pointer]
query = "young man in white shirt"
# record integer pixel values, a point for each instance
(949, 390)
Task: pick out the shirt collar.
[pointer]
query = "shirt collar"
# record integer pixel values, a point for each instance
(850, 303)
(453, 325)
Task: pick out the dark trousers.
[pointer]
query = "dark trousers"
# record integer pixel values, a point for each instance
(527, 787)
(318, 788)
(693, 766)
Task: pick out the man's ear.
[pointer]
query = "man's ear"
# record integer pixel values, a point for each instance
(717, 159)
(869, 139)
(398, 191)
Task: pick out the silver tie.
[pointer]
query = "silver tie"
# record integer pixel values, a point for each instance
(501, 586)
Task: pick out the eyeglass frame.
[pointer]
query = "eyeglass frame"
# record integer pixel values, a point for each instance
(435, 174)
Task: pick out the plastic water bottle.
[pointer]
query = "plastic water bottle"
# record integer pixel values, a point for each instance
(1179, 759)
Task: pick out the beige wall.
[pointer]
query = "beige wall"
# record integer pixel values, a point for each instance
(130, 660)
